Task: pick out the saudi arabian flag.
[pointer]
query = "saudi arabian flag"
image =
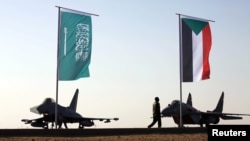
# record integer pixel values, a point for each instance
(75, 45)
(196, 45)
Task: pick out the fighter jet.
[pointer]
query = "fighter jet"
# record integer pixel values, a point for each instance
(191, 115)
(65, 115)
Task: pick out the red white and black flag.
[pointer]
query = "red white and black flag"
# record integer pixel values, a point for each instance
(196, 42)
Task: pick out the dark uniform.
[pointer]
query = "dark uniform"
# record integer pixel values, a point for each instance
(156, 113)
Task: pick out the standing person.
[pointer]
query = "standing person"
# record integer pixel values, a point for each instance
(156, 113)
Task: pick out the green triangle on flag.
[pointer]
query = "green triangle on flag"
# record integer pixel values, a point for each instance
(195, 25)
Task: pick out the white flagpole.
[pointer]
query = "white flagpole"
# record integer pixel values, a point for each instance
(57, 68)
(181, 70)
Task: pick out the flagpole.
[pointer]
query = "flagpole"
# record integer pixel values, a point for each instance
(180, 59)
(86, 13)
(57, 68)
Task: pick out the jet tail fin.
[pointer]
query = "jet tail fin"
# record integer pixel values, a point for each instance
(219, 106)
(73, 103)
(189, 100)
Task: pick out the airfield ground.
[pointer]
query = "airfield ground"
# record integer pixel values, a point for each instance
(134, 134)
(151, 137)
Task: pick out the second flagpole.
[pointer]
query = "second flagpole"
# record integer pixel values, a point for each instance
(57, 68)
(181, 73)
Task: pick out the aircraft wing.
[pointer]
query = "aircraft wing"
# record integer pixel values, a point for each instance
(39, 122)
(225, 116)
(230, 116)
(222, 115)
(28, 121)
(106, 120)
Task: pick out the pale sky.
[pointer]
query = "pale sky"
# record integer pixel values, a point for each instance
(135, 57)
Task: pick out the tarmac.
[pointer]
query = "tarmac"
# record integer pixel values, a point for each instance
(98, 132)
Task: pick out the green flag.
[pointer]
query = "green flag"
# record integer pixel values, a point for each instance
(75, 45)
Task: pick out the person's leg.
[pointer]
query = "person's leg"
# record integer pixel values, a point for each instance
(159, 122)
(153, 122)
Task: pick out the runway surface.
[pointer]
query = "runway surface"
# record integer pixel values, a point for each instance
(97, 132)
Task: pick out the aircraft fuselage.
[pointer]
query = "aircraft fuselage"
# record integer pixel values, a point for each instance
(190, 115)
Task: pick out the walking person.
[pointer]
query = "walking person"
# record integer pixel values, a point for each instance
(156, 113)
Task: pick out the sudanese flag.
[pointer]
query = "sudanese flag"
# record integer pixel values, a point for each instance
(196, 45)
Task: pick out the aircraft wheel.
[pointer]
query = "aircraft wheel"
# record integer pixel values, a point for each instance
(45, 127)
(207, 125)
(81, 126)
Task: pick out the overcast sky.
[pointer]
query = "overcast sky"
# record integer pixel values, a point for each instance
(135, 57)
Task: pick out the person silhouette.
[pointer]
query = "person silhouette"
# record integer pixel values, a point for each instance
(156, 113)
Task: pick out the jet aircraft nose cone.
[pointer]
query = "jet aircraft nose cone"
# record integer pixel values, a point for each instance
(34, 110)
(170, 110)
(44, 107)
(166, 112)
